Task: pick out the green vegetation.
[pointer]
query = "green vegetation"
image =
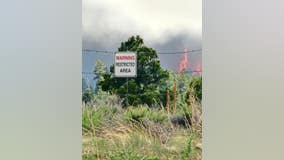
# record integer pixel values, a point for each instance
(99, 72)
(111, 132)
(88, 96)
(143, 113)
(150, 81)
(151, 126)
(196, 84)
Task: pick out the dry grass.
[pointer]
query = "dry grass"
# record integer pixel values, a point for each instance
(121, 139)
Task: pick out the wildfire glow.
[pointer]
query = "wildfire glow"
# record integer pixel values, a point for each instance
(198, 69)
(183, 64)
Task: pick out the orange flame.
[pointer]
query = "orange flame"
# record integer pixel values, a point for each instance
(183, 64)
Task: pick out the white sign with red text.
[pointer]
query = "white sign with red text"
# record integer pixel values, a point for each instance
(125, 64)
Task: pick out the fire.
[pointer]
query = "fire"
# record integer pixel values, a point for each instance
(198, 69)
(183, 64)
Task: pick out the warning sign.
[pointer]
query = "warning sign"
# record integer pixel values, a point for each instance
(125, 64)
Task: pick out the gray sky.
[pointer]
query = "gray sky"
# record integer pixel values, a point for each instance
(165, 25)
(108, 22)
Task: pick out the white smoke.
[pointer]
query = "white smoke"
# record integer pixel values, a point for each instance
(108, 22)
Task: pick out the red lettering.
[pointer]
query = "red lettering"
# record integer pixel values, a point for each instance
(125, 57)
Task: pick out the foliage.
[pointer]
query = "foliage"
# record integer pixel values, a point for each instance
(88, 96)
(158, 135)
(184, 82)
(136, 114)
(192, 149)
(141, 113)
(146, 87)
(102, 98)
(157, 116)
(100, 70)
(110, 135)
(91, 119)
(110, 151)
(130, 155)
(196, 84)
(188, 150)
(94, 118)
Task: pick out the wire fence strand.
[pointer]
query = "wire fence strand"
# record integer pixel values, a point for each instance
(94, 51)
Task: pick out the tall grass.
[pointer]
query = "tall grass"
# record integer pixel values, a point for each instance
(138, 133)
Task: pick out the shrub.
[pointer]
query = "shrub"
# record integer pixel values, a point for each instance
(178, 120)
(142, 113)
(136, 114)
(182, 116)
(196, 84)
(158, 116)
(88, 96)
(105, 99)
(94, 118)
(91, 119)
(192, 150)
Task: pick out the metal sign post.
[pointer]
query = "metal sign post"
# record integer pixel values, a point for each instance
(125, 65)
(127, 92)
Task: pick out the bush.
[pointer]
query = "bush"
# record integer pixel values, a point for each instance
(91, 119)
(137, 114)
(158, 116)
(88, 96)
(141, 113)
(192, 150)
(182, 116)
(94, 118)
(196, 84)
(102, 98)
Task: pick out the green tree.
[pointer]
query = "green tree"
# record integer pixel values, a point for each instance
(146, 88)
(100, 70)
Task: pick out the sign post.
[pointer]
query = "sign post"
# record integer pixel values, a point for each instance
(125, 65)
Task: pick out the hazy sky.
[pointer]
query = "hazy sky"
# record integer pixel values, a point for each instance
(108, 22)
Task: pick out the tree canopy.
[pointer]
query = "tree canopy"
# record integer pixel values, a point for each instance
(100, 70)
(150, 82)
